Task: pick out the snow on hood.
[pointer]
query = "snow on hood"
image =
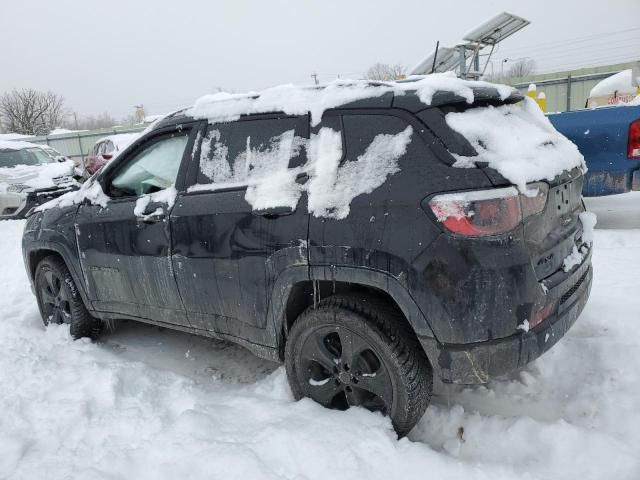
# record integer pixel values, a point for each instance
(516, 140)
(297, 100)
(35, 177)
(90, 190)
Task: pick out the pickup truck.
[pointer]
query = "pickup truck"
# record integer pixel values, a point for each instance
(609, 139)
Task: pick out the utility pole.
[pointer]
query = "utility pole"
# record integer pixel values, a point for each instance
(139, 113)
(75, 120)
(314, 75)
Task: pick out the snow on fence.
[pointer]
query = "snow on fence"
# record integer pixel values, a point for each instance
(77, 144)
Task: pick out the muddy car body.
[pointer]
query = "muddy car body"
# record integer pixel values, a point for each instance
(459, 298)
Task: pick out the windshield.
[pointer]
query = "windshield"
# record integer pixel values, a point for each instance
(25, 156)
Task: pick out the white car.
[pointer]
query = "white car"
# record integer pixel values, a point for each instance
(30, 175)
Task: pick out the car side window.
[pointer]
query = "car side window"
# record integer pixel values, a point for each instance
(153, 168)
(362, 129)
(232, 153)
(108, 147)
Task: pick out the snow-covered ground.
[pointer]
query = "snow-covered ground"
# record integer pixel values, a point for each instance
(152, 403)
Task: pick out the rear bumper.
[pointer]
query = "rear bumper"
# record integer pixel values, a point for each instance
(480, 362)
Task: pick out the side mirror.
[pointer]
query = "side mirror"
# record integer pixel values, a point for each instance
(61, 159)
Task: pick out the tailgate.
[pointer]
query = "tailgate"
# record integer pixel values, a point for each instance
(551, 235)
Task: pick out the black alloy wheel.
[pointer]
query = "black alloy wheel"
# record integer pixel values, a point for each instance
(354, 350)
(55, 299)
(59, 300)
(341, 370)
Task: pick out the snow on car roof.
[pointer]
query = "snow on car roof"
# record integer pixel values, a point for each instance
(16, 145)
(122, 140)
(300, 100)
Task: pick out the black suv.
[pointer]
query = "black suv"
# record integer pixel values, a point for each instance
(364, 307)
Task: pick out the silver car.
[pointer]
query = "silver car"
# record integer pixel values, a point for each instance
(30, 175)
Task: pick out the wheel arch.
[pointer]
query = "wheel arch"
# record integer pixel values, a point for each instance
(36, 254)
(295, 291)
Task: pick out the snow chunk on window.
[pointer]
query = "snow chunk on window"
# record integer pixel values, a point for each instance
(332, 188)
(90, 190)
(516, 140)
(263, 169)
(167, 195)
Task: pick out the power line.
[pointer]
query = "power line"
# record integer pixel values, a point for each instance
(571, 41)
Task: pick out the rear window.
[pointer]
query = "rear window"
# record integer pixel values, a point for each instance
(361, 130)
(517, 140)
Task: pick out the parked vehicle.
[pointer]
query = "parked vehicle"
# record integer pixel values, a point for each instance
(104, 150)
(31, 175)
(346, 244)
(609, 139)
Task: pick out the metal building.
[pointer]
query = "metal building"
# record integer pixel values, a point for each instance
(569, 90)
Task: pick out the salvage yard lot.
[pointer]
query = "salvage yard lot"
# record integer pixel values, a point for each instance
(150, 403)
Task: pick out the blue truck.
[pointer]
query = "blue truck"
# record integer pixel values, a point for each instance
(609, 139)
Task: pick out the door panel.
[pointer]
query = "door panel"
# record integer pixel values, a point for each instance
(127, 264)
(226, 256)
(226, 259)
(126, 257)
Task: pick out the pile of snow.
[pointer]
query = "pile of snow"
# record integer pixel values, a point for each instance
(167, 195)
(577, 255)
(516, 140)
(16, 144)
(297, 100)
(331, 187)
(619, 83)
(13, 136)
(64, 131)
(149, 403)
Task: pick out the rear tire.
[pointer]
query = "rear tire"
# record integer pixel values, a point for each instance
(60, 302)
(356, 350)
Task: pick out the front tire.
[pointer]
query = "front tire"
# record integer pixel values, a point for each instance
(60, 302)
(355, 350)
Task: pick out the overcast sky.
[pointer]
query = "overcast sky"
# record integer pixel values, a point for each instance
(109, 55)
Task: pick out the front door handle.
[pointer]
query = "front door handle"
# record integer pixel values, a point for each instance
(158, 215)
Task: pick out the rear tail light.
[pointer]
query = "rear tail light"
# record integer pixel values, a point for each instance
(633, 149)
(488, 212)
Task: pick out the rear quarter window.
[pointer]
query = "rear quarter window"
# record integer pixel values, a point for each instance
(361, 130)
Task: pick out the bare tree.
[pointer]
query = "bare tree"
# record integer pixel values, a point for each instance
(31, 112)
(385, 72)
(522, 68)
